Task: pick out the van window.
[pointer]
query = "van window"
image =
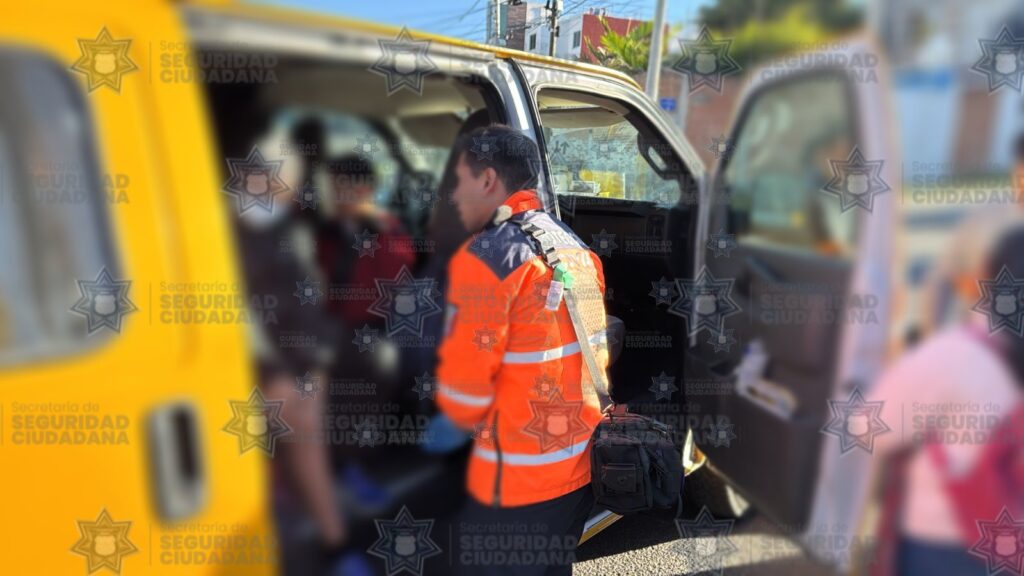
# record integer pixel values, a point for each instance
(600, 148)
(53, 227)
(781, 162)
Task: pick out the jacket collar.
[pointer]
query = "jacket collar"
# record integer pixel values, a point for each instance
(517, 203)
(522, 201)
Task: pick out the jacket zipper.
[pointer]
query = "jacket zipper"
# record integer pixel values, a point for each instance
(497, 474)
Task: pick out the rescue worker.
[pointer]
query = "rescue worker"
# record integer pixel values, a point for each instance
(511, 368)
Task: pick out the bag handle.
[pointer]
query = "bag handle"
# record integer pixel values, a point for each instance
(560, 273)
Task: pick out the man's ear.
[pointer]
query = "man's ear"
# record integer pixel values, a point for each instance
(491, 181)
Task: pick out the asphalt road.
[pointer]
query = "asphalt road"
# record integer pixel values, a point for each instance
(646, 545)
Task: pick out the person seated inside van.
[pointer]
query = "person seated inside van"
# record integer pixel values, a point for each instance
(363, 243)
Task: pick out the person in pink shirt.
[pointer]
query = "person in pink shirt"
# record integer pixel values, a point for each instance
(951, 390)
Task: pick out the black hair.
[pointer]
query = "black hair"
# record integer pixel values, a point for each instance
(310, 134)
(510, 152)
(1018, 149)
(1008, 252)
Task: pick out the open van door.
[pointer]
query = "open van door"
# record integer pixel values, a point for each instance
(623, 178)
(795, 270)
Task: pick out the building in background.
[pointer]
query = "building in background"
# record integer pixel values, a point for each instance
(497, 23)
(525, 26)
(576, 29)
(931, 45)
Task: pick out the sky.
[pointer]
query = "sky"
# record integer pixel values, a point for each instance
(466, 19)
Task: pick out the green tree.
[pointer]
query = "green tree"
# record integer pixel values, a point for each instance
(758, 41)
(627, 52)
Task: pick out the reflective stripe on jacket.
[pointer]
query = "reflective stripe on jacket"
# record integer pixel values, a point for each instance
(511, 370)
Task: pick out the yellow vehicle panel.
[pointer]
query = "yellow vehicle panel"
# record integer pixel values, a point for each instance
(170, 226)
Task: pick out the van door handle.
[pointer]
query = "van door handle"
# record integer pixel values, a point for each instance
(177, 462)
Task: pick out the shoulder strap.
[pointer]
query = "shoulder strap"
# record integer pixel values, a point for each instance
(549, 253)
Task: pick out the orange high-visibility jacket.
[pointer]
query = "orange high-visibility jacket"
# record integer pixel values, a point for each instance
(511, 369)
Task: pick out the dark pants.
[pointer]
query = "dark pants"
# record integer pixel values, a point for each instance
(917, 557)
(537, 539)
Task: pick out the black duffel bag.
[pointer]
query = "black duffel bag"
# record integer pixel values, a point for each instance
(634, 463)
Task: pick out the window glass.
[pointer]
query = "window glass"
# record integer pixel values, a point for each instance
(781, 162)
(595, 146)
(53, 228)
(407, 172)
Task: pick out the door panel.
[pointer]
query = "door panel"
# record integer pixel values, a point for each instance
(777, 418)
(787, 252)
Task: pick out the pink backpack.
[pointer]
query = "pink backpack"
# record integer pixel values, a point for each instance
(996, 480)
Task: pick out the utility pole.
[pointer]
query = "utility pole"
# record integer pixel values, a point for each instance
(554, 7)
(654, 56)
(498, 23)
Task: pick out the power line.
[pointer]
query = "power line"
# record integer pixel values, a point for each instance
(455, 18)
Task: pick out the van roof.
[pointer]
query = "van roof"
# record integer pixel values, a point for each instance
(305, 17)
